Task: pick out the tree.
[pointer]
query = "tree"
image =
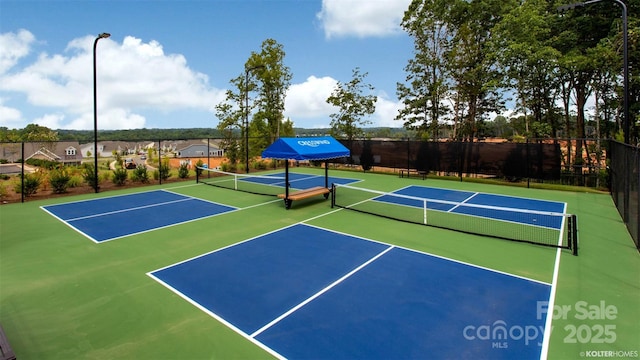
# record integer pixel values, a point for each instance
(37, 133)
(353, 105)
(579, 32)
(266, 74)
(274, 79)
(230, 114)
(521, 46)
(476, 79)
(426, 81)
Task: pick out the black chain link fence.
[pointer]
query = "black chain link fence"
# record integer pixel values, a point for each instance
(624, 172)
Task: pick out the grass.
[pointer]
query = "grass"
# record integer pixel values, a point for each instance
(62, 296)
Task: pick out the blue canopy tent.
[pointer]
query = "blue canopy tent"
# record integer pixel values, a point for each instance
(305, 148)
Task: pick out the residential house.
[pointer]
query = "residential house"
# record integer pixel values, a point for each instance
(199, 151)
(64, 152)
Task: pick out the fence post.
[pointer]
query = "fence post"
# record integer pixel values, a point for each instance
(22, 173)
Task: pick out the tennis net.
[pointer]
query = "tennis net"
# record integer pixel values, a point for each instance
(255, 184)
(537, 227)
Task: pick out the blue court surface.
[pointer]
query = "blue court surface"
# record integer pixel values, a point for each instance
(498, 207)
(306, 292)
(118, 216)
(298, 180)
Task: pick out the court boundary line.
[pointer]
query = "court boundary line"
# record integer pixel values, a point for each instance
(64, 222)
(215, 316)
(106, 197)
(546, 337)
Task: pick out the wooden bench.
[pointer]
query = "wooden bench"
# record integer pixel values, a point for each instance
(423, 174)
(303, 194)
(5, 350)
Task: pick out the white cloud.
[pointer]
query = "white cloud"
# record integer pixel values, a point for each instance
(13, 47)
(307, 107)
(386, 112)
(131, 76)
(309, 99)
(8, 115)
(111, 119)
(361, 18)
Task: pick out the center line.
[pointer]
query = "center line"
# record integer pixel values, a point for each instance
(276, 320)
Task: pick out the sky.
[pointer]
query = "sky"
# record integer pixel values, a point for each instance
(169, 62)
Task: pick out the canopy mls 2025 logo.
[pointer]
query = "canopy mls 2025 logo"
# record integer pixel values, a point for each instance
(313, 143)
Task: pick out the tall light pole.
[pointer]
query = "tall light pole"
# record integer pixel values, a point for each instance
(246, 113)
(95, 113)
(625, 61)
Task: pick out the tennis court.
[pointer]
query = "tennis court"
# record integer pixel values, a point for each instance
(540, 212)
(231, 274)
(111, 218)
(306, 292)
(270, 183)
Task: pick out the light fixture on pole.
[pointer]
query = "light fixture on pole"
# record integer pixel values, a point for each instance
(246, 113)
(625, 61)
(95, 113)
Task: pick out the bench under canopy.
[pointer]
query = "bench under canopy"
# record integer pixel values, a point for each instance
(320, 148)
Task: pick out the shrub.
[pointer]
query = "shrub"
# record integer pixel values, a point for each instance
(89, 175)
(75, 181)
(3, 191)
(164, 170)
(260, 165)
(228, 167)
(46, 164)
(199, 165)
(59, 180)
(120, 176)
(183, 171)
(31, 184)
(140, 174)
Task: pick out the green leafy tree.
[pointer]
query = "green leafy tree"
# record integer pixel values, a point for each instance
(274, 79)
(578, 33)
(521, 46)
(230, 114)
(353, 106)
(426, 86)
(476, 80)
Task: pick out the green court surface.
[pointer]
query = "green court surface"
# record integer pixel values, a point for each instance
(63, 296)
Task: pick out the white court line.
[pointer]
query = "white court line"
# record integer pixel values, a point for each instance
(131, 209)
(311, 298)
(463, 201)
(544, 352)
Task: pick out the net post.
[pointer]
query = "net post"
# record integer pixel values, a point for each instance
(333, 195)
(197, 175)
(574, 234)
(424, 208)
